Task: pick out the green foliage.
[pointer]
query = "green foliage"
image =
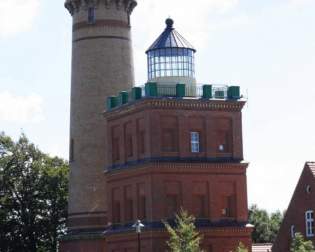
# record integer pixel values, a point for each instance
(241, 248)
(184, 237)
(33, 197)
(266, 225)
(300, 245)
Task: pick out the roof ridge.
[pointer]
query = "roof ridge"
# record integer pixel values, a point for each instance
(311, 166)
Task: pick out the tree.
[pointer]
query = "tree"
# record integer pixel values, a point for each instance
(184, 237)
(241, 248)
(266, 226)
(33, 197)
(300, 245)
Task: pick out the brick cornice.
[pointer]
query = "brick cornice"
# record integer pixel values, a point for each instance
(74, 6)
(185, 168)
(168, 103)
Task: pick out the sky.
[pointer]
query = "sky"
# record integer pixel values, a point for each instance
(266, 47)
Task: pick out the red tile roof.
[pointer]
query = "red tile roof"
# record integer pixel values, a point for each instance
(262, 247)
(311, 166)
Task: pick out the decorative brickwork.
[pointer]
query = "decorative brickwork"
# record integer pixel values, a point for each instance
(74, 6)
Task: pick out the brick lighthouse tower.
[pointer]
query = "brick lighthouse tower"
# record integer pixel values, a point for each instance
(173, 144)
(102, 65)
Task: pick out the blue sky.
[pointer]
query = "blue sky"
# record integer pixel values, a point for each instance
(266, 47)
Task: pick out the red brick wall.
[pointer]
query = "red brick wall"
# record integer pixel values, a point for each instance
(215, 240)
(166, 133)
(153, 191)
(90, 245)
(219, 189)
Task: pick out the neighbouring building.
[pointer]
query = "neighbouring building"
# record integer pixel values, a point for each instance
(262, 247)
(167, 145)
(299, 217)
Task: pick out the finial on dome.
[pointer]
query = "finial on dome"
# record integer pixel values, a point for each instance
(169, 22)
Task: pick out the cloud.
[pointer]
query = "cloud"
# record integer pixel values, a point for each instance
(17, 16)
(21, 109)
(300, 3)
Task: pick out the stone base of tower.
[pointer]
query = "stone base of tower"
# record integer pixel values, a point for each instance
(214, 240)
(84, 243)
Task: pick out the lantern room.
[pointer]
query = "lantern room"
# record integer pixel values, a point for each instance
(171, 58)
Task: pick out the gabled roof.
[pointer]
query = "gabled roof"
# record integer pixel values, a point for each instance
(262, 247)
(299, 203)
(170, 38)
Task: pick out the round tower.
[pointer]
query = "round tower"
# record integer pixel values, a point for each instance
(171, 58)
(102, 65)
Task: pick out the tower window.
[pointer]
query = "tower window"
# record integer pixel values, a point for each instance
(195, 142)
(309, 223)
(129, 146)
(172, 205)
(200, 205)
(229, 206)
(142, 207)
(91, 15)
(116, 211)
(116, 149)
(169, 140)
(141, 202)
(71, 150)
(141, 142)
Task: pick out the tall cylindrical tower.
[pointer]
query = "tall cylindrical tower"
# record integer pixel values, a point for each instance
(102, 65)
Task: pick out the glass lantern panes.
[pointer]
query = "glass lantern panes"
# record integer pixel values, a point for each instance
(171, 62)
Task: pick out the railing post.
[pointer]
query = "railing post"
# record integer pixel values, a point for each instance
(151, 89)
(112, 102)
(180, 90)
(124, 97)
(234, 92)
(207, 91)
(136, 93)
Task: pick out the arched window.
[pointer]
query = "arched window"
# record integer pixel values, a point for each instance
(309, 223)
(308, 189)
(292, 231)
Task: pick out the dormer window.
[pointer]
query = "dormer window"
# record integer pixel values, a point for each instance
(91, 15)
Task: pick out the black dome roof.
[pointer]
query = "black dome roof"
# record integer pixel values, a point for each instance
(170, 38)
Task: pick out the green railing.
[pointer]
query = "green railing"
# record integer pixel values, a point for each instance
(179, 91)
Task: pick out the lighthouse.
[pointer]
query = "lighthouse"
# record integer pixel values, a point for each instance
(102, 65)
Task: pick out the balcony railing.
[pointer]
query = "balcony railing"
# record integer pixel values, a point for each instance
(218, 92)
